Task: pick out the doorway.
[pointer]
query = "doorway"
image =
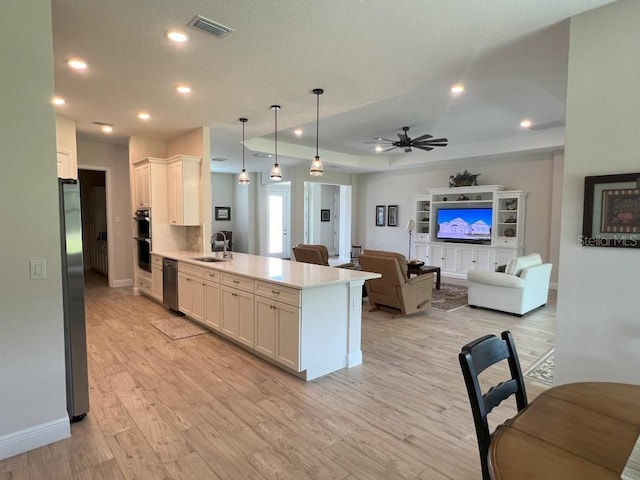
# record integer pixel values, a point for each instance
(278, 220)
(95, 230)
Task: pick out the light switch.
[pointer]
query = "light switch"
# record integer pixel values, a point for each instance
(38, 269)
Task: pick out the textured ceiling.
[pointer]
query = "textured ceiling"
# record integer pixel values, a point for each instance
(383, 65)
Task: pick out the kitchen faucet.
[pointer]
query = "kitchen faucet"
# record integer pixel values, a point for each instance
(214, 236)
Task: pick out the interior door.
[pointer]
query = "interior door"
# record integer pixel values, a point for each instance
(278, 224)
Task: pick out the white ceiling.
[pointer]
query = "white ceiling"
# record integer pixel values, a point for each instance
(383, 64)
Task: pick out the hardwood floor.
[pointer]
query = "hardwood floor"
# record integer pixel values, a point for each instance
(203, 408)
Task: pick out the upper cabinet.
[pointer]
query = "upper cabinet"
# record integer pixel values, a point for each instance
(142, 175)
(64, 159)
(183, 190)
(150, 186)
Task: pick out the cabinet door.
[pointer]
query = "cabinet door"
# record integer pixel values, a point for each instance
(502, 256)
(212, 305)
(185, 300)
(443, 257)
(483, 260)
(174, 190)
(265, 327)
(288, 336)
(421, 252)
(246, 318)
(142, 182)
(157, 281)
(64, 164)
(197, 299)
(466, 259)
(230, 312)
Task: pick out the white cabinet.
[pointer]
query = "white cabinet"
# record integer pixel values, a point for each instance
(64, 163)
(183, 190)
(238, 320)
(421, 252)
(509, 217)
(278, 323)
(501, 256)
(191, 291)
(474, 258)
(443, 257)
(142, 182)
(156, 274)
(212, 299)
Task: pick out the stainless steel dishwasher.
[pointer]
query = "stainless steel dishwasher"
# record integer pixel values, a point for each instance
(170, 283)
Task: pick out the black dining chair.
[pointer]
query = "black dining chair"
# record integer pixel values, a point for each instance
(477, 356)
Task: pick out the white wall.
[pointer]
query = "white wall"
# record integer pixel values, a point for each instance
(32, 371)
(222, 195)
(598, 325)
(532, 173)
(115, 159)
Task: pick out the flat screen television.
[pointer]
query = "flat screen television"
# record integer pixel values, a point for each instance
(465, 225)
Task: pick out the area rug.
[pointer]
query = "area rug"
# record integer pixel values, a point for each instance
(178, 327)
(542, 369)
(450, 297)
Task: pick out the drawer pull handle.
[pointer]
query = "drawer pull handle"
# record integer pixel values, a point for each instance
(236, 281)
(275, 292)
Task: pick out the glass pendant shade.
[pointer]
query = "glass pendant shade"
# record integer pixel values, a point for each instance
(316, 167)
(276, 173)
(243, 178)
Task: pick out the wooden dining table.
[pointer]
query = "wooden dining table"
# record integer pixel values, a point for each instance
(575, 431)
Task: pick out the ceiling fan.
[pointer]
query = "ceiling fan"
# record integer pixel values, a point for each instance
(423, 142)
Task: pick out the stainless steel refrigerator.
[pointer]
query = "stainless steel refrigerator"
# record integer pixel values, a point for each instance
(75, 335)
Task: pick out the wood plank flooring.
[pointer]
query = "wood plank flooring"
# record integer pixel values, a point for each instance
(203, 408)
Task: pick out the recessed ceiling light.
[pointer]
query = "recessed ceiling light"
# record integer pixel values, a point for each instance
(107, 128)
(457, 88)
(58, 101)
(298, 131)
(526, 123)
(184, 89)
(77, 64)
(378, 148)
(144, 116)
(177, 36)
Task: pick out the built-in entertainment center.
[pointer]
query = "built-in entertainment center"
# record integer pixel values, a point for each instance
(468, 228)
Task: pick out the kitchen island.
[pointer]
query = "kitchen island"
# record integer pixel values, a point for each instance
(304, 318)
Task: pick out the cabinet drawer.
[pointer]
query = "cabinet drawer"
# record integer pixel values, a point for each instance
(237, 281)
(281, 293)
(506, 241)
(145, 285)
(212, 275)
(156, 260)
(191, 269)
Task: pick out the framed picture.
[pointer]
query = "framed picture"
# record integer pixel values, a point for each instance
(223, 213)
(611, 216)
(392, 215)
(381, 212)
(325, 215)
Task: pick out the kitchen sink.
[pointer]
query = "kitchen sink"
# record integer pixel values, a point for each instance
(210, 259)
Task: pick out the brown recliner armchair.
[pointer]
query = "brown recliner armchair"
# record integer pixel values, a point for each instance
(316, 254)
(395, 291)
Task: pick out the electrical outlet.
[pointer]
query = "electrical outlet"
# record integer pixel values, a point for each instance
(38, 269)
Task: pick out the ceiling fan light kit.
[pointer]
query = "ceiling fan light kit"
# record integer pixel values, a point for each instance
(243, 178)
(316, 165)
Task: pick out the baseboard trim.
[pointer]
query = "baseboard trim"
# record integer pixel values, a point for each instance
(34, 437)
(127, 282)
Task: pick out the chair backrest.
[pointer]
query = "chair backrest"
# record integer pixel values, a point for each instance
(392, 266)
(316, 254)
(477, 356)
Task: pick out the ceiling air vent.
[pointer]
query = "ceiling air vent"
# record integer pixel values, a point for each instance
(548, 125)
(210, 27)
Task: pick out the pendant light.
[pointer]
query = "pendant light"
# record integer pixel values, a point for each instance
(276, 173)
(243, 178)
(316, 166)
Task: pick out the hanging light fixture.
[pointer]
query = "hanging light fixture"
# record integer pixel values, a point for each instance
(276, 173)
(316, 165)
(243, 178)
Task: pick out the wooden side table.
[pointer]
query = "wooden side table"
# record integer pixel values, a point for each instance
(422, 269)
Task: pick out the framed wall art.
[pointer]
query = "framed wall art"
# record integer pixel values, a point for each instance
(325, 215)
(392, 215)
(223, 213)
(611, 216)
(381, 212)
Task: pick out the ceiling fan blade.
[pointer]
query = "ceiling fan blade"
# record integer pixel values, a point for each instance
(422, 137)
(435, 140)
(423, 147)
(431, 144)
(390, 148)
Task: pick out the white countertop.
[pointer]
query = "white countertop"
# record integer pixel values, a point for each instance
(294, 274)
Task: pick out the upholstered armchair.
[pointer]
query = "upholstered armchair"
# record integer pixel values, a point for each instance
(395, 291)
(316, 254)
(523, 286)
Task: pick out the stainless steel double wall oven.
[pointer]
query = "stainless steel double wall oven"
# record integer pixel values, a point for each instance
(142, 220)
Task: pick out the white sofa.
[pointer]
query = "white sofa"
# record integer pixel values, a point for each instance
(523, 286)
